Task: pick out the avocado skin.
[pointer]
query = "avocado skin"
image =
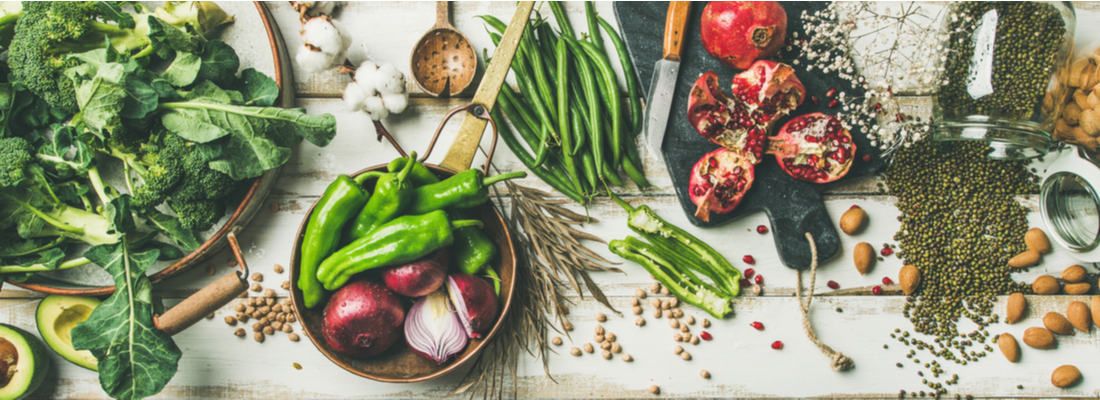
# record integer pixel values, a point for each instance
(23, 341)
(49, 310)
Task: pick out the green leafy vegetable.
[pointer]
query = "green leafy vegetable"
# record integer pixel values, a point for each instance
(219, 62)
(183, 70)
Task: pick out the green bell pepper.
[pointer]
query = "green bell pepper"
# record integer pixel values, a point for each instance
(681, 282)
(402, 240)
(392, 194)
(464, 190)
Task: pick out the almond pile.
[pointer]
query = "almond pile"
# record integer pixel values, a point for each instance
(1037, 245)
(1078, 316)
(1077, 103)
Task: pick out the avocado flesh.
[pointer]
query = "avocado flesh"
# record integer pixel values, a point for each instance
(57, 316)
(23, 363)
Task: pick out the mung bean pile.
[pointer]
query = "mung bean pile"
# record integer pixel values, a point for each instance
(960, 224)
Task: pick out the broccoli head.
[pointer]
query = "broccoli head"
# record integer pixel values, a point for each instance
(161, 169)
(174, 171)
(15, 154)
(198, 215)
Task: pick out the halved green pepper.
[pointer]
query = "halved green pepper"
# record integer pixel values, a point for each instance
(404, 239)
(681, 282)
(464, 190)
(392, 195)
(341, 200)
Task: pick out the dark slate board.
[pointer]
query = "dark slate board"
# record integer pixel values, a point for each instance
(794, 207)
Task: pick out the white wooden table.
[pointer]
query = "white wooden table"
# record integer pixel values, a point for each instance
(217, 364)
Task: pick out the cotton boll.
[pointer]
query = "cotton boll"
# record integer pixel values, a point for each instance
(354, 97)
(358, 54)
(364, 76)
(389, 80)
(320, 32)
(312, 62)
(345, 36)
(396, 103)
(324, 7)
(375, 108)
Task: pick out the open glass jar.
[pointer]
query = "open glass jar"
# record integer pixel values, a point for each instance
(999, 61)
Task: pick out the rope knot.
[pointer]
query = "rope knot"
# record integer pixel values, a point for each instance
(837, 360)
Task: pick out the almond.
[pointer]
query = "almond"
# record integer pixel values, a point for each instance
(1081, 99)
(1078, 288)
(1039, 338)
(1077, 70)
(864, 257)
(1078, 315)
(1094, 98)
(1016, 308)
(1074, 274)
(1072, 113)
(1045, 284)
(1057, 323)
(1090, 122)
(1023, 260)
(853, 220)
(1037, 240)
(1065, 376)
(1094, 304)
(909, 278)
(1009, 347)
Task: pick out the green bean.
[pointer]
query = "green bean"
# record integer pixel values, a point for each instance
(524, 112)
(527, 87)
(589, 85)
(547, 43)
(588, 163)
(576, 111)
(632, 164)
(607, 77)
(611, 174)
(632, 86)
(548, 176)
(593, 26)
(563, 105)
(508, 108)
(563, 19)
(494, 22)
(531, 53)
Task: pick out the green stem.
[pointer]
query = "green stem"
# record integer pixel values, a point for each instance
(46, 246)
(45, 217)
(626, 206)
(493, 277)
(462, 223)
(363, 177)
(489, 180)
(15, 269)
(98, 186)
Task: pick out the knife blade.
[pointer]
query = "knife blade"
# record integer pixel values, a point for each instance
(662, 86)
(461, 154)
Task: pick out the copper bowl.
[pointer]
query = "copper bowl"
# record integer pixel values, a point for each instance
(399, 364)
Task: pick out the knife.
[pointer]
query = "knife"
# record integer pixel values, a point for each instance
(461, 154)
(663, 85)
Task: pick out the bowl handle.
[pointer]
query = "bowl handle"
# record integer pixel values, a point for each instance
(477, 110)
(209, 299)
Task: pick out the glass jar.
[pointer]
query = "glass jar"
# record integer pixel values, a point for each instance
(1069, 199)
(999, 61)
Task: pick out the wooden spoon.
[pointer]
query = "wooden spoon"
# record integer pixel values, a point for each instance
(443, 62)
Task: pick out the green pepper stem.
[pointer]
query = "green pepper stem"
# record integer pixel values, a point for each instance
(363, 177)
(405, 170)
(462, 223)
(489, 180)
(626, 206)
(494, 277)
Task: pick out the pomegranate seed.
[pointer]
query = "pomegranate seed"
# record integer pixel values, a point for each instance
(757, 325)
(877, 290)
(887, 281)
(833, 285)
(748, 260)
(834, 103)
(853, 207)
(744, 282)
(777, 345)
(886, 251)
(750, 272)
(762, 229)
(705, 335)
(831, 93)
(759, 279)
(900, 117)
(814, 100)
(878, 106)
(867, 158)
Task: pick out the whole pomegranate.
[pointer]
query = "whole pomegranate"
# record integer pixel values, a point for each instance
(736, 33)
(760, 95)
(814, 147)
(719, 181)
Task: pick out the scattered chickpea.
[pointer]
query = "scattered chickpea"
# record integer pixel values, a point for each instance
(655, 287)
(274, 207)
(687, 336)
(690, 320)
(242, 317)
(287, 328)
(655, 302)
(677, 313)
(588, 348)
(264, 321)
(239, 307)
(604, 345)
(694, 340)
(756, 289)
(685, 356)
(598, 338)
(567, 326)
(293, 337)
(684, 328)
(277, 308)
(664, 291)
(291, 318)
(575, 351)
(255, 287)
(239, 332)
(639, 293)
(259, 336)
(210, 316)
(674, 302)
(256, 327)
(706, 323)
(639, 321)
(250, 310)
(656, 313)
(232, 262)
(599, 330)
(269, 293)
(665, 305)
(278, 269)
(676, 336)
(627, 358)
(257, 277)
(677, 350)
(610, 337)
(269, 330)
(704, 374)
(637, 310)
(654, 389)
(634, 301)
(229, 319)
(285, 285)
(668, 314)
(616, 348)
(606, 355)
(674, 324)
(600, 317)
(277, 325)
(265, 309)
(281, 318)
(556, 340)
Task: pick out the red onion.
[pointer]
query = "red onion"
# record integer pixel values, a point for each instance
(418, 278)
(474, 301)
(363, 319)
(433, 329)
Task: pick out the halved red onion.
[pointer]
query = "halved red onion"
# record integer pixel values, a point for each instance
(475, 303)
(433, 329)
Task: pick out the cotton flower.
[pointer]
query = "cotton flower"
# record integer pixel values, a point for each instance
(327, 39)
(377, 90)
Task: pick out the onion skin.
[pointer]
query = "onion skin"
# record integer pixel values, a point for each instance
(418, 278)
(475, 302)
(363, 319)
(433, 329)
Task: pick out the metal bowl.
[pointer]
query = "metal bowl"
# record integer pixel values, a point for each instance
(399, 364)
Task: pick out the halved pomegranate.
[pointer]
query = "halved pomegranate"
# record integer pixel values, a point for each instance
(761, 94)
(719, 181)
(814, 147)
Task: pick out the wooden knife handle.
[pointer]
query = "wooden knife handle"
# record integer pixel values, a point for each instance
(675, 22)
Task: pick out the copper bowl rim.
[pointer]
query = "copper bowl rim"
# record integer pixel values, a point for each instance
(207, 248)
(296, 295)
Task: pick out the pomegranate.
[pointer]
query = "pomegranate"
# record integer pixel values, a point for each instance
(761, 95)
(719, 181)
(814, 148)
(736, 33)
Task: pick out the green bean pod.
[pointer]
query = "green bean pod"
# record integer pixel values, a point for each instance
(632, 86)
(611, 94)
(593, 26)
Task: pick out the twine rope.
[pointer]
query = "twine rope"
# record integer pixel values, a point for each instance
(837, 360)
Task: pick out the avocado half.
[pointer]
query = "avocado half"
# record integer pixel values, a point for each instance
(56, 317)
(24, 362)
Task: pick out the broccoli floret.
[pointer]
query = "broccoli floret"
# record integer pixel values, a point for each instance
(15, 154)
(161, 169)
(201, 182)
(198, 215)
